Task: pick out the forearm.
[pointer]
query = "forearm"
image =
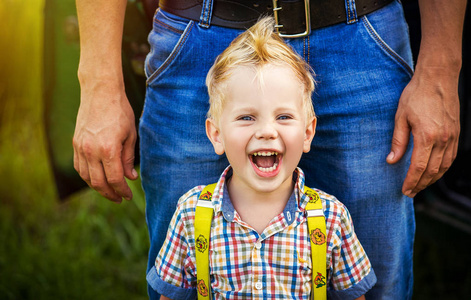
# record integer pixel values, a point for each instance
(442, 30)
(101, 28)
(105, 132)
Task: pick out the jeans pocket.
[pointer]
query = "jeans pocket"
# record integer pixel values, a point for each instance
(389, 31)
(167, 38)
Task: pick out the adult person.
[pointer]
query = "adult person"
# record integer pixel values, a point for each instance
(367, 91)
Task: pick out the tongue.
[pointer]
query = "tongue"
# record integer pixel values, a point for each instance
(264, 161)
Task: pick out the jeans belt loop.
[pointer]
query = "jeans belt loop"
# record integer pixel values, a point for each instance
(206, 14)
(307, 14)
(351, 10)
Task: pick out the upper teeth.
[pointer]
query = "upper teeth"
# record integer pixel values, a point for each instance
(265, 153)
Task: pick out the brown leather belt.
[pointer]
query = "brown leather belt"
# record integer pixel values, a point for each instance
(291, 16)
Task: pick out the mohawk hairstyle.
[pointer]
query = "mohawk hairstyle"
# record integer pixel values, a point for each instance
(256, 47)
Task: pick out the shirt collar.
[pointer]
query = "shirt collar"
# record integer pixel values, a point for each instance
(223, 204)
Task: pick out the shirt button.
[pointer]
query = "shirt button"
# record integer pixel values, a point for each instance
(258, 285)
(258, 245)
(288, 216)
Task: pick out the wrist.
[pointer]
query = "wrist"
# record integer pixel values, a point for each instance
(103, 91)
(440, 54)
(96, 67)
(435, 78)
(439, 67)
(98, 76)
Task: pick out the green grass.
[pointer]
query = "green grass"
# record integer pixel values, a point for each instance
(86, 248)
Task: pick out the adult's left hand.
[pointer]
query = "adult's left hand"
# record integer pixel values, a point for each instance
(429, 106)
(429, 109)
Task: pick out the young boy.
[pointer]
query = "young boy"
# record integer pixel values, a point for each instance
(261, 117)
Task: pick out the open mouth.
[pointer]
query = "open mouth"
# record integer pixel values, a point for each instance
(265, 161)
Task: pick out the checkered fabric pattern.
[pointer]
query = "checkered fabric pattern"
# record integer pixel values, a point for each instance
(273, 265)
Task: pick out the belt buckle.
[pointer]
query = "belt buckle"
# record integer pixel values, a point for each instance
(307, 11)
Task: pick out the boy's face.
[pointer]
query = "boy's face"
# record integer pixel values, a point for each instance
(263, 128)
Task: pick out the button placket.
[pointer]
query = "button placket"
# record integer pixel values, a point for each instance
(257, 267)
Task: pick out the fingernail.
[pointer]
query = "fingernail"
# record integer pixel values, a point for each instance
(408, 193)
(134, 173)
(390, 156)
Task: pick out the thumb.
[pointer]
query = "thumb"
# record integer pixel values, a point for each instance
(127, 157)
(400, 141)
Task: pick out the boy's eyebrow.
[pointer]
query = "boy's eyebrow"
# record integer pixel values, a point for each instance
(251, 109)
(287, 107)
(244, 109)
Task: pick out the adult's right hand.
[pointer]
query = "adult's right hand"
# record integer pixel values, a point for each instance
(105, 132)
(104, 140)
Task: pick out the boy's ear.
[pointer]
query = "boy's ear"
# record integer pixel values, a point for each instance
(309, 134)
(214, 135)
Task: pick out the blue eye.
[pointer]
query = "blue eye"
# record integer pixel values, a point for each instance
(245, 118)
(284, 117)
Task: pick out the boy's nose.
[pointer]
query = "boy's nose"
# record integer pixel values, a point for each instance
(266, 131)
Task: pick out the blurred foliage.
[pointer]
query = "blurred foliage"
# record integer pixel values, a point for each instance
(21, 144)
(84, 248)
(61, 86)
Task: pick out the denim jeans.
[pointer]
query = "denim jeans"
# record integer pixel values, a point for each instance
(361, 70)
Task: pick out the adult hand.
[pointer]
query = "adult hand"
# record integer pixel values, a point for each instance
(104, 140)
(105, 132)
(429, 106)
(429, 109)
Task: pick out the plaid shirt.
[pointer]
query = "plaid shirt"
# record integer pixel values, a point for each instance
(273, 265)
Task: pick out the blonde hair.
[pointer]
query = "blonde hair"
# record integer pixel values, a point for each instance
(258, 46)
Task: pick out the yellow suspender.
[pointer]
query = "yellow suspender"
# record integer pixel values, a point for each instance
(203, 218)
(317, 233)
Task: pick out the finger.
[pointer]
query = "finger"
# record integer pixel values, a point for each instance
(433, 169)
(399, 143)
(114, 174)
(455, 148)
(98, 182)
(80, 163)
(419, 162)
(448, 158)
(127, 158)
(76, 161)
(83, 169)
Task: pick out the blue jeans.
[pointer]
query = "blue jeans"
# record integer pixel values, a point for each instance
(361, 70)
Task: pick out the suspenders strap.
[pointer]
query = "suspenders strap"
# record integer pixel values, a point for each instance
(317, 235)
(203, 218)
